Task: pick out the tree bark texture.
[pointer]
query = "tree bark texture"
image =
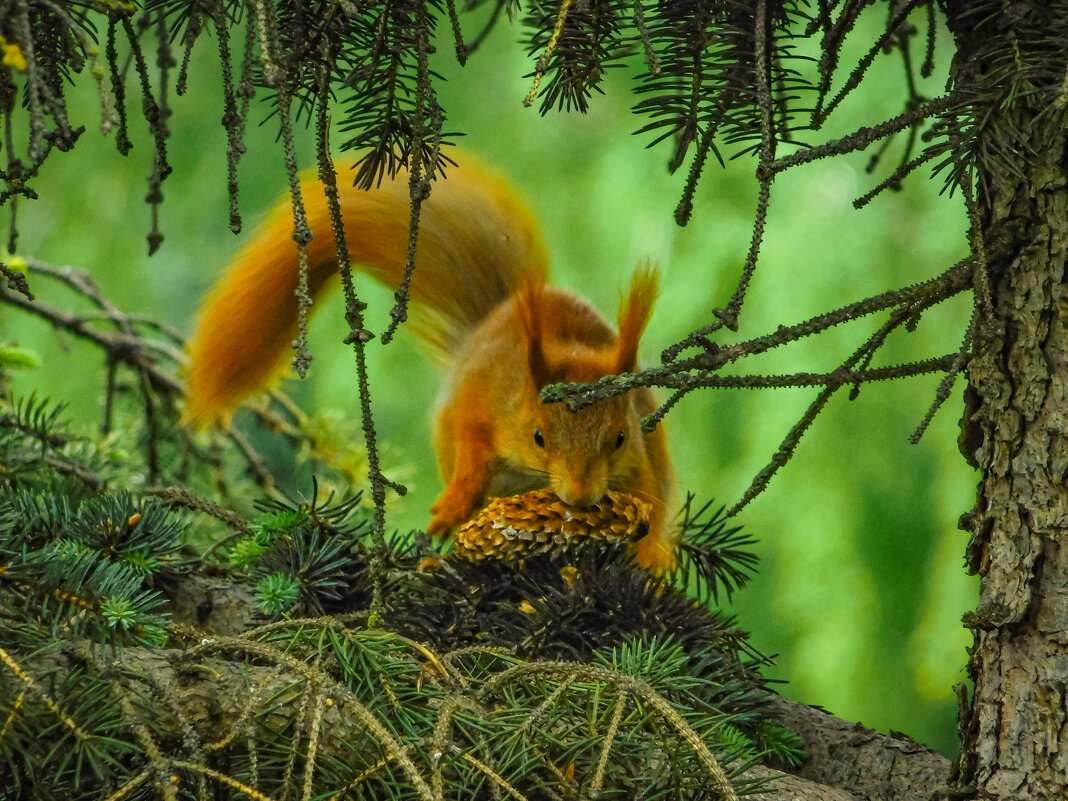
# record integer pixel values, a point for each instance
(853, 758)
(1015, 731)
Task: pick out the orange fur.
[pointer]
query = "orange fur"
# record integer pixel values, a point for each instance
(480, 281)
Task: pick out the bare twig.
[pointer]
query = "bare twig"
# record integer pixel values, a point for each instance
(176, 497)
(128, 349)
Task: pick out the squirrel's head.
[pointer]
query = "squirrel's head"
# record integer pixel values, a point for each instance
(585, 453)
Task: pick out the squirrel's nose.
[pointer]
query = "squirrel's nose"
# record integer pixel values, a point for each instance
(577, 492)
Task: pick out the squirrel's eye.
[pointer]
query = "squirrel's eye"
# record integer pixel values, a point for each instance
(621, 439)
(538, 438)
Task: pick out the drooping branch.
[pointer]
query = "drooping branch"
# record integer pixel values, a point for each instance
(358, 337)
(715, 356)
(900, 12)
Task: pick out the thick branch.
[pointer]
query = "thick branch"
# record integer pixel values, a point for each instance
(871, 765)
(786, 787)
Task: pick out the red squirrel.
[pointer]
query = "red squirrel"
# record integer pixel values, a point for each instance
(480, 284)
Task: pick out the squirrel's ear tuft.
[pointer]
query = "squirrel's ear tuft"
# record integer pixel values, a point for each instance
(530, 308)
(634, 312)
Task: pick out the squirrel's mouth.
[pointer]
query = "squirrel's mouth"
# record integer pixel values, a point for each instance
(513, 479)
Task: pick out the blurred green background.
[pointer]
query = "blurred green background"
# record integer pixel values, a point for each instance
(860, 588)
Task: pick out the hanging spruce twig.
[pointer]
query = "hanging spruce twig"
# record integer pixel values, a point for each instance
(834, 34)
(707, 145)
(927, 68)
(945, 386)
(118, 85)
(35, 150)
(652, 60)
(421, 169)
(550, 49)
(762, 68)
(108, 115)
(358, 337)
(457, 34)
(822, 112)
(232, 120)
(275, 77)
(896, 177)
(865, 136)
(475, 43)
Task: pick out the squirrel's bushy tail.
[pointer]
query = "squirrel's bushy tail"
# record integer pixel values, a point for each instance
(477, 244)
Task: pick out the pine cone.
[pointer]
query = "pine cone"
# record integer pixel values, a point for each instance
(520, 526)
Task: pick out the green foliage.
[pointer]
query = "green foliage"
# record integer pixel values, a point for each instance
(712, 553)
(36, 421)
(278, 593)
(245, 552)
(90, 567)
(467, 693)
(704, 89)
(380, 716)
(580, 41)
(271, 526)
(81, 576)
(391, 107)
(305, 556)
(59, 752)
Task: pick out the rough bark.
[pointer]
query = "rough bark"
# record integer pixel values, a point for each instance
(1015, 731)
(860, 760)
(785, 787)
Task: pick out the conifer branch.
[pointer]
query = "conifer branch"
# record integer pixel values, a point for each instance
(358, 337)
(222, 778)
(31, 686)
(715, 356)
(864, 137)
(178, 497)
(132, 350)
(623, 684)
(127, 788)
(900, 13)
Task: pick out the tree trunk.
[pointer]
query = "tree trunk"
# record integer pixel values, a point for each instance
(1015, 731)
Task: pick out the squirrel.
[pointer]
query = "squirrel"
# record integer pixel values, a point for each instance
(480, 289)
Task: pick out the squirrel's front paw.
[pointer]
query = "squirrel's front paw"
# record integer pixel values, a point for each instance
(450, 511)
(656, 553)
